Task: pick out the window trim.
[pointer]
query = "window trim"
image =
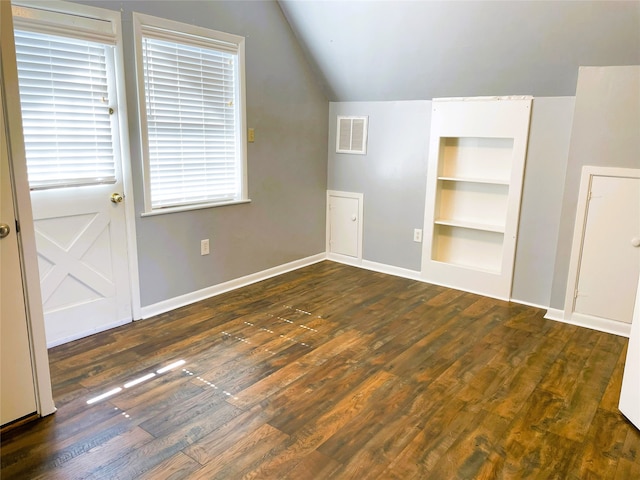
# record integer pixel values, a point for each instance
(142, 22)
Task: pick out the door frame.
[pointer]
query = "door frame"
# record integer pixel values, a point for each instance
(127, 177)
(114, 17)
(345, 258)
(602, 324)
(27, 238)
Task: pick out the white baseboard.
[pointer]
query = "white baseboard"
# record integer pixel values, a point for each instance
(391, 270)
(375, 266)
(588, 321)
(344, 259)
(555, 314)
(529, 304)
(189, 298)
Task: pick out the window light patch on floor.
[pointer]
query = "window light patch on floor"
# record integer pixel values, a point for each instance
(136, 381)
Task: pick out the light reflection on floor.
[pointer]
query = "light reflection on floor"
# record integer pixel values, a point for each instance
(137, 381)
(292, 338)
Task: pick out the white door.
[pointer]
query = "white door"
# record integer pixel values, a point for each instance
(630, 393)
(17, 394)
(610, 260)
(344, 225)
(82, 255)
(71, 97)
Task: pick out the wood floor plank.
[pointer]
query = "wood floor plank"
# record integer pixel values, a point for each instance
(82, 465)
(316, 433)
(335, 372)
(600, 455)
(144, 459)
(217, 442)
(277, 381)
(472, 448)
(176, 467)
(242, 455)
(316, 466)
(611, 396)
(574, 420)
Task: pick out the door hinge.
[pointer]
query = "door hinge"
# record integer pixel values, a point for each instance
(17, 226)
(575, 294)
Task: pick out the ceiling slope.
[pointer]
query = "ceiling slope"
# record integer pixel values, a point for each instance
(409, 50)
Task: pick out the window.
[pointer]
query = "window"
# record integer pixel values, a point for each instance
(67, 95)
(191, 94)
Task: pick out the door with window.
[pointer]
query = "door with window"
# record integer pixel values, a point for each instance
(70, 100)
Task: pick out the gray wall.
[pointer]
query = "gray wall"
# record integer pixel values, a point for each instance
(392, 177)
(407, 50)
(549, 134)
(287, 164)
(606, 133)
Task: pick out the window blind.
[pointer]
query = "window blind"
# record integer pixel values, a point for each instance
(192, 123)
(65, 110)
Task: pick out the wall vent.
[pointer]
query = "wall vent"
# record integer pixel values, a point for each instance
(351, 136)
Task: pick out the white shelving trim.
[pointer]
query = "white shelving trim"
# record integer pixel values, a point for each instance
(489, 181)
(470, 225)
(469, 267)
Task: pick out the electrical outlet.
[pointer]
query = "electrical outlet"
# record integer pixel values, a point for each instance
(251, 135)
(417, 235)
(204, 247)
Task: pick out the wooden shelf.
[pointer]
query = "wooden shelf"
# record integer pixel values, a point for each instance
(470, 225)
(489, 181)
(489, 271)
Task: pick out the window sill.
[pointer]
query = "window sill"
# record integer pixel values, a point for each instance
(186, 208)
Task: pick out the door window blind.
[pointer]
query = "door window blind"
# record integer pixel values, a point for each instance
(190, 93)
(66, 111)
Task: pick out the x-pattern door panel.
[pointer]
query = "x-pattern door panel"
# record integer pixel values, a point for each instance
(82, 255)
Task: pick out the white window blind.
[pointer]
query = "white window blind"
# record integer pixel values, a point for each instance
(191, 95)
(65, 110)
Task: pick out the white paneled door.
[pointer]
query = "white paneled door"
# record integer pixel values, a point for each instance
(17, 394)
(610, 258)
(344, 224)
(82, 255)
(630, 393)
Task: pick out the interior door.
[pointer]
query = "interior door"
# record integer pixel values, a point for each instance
(610, 259)
(344, 225)
(82, 255)
(17, 394)
(70, 104)
(630, 393)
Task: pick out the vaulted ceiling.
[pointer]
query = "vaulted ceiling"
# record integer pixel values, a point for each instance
(365, 50)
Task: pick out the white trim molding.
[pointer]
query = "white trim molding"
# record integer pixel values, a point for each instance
(589, 321)
(205, 293)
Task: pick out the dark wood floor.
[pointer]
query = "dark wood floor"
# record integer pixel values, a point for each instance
(335, 372)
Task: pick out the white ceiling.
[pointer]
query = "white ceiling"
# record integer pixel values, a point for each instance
(365, 50)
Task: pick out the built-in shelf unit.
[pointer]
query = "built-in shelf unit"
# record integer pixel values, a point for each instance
(474, 183)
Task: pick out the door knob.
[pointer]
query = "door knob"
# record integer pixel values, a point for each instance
(635, 241)
(116, 198)
(4, 230)
(353, 218)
